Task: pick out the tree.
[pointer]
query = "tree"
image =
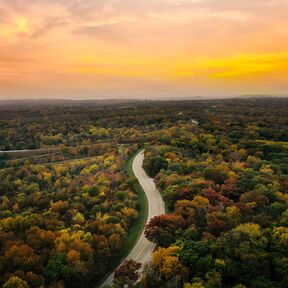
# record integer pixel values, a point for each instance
(56, 267)
(246, 252)
(22, 256)
(15, 282)
(216, 223)
(163, 229)
(60, 206)
(127, 273)
(194, 285)
(155, 164)
(216, 175)
(166, 262)
(186, 209)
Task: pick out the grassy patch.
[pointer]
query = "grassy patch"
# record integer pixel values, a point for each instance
(138, 225)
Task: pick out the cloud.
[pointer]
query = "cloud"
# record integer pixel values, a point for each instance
(3, 15)
(14, 59)
(169, 41)
(196, 15)
(88, 9)
(48, 25)
(239, 66)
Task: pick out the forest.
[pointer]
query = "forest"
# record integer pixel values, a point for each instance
(68, 205)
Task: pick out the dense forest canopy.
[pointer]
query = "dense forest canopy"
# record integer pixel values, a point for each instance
(221, 166)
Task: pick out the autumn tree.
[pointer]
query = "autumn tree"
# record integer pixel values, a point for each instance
(15, 282)
(164, 229)
(127, 273)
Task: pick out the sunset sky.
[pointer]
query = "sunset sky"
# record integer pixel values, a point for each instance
(83, 49)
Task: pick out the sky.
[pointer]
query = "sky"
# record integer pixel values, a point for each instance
(85, 49)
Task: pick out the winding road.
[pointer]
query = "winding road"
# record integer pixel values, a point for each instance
(143, 249)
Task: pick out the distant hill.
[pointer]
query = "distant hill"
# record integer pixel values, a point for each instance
(30, 103)
(257, 96)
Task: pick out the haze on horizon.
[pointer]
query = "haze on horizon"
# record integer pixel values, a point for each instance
(83, 49)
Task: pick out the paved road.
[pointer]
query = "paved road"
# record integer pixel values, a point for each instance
(48, 148)
(29, 150)
(143, 249)
(14, 151)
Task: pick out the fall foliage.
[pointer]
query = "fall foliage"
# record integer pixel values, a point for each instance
(67, 208)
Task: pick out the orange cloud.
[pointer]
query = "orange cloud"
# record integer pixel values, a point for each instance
(188, 46)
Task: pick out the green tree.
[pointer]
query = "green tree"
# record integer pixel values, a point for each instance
(56, 267)
(155, 164)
